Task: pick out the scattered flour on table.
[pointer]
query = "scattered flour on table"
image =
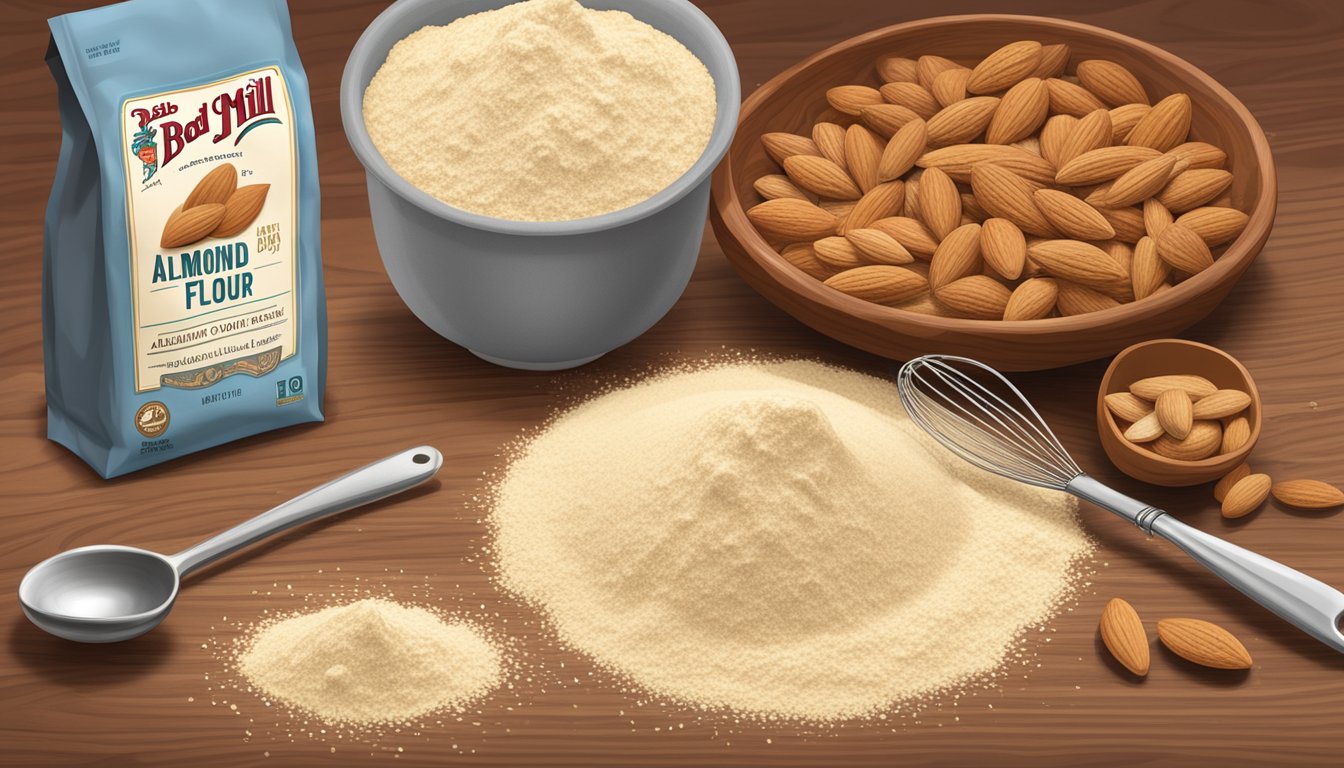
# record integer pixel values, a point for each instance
(370, 661)
(541, 111)
(777, 539)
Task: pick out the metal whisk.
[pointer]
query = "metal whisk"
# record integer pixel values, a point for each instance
(980, 416)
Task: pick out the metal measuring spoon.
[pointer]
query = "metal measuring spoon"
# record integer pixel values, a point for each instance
(107, 593)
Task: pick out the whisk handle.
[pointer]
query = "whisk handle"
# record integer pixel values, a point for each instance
(1089, 489)
(1312, 606)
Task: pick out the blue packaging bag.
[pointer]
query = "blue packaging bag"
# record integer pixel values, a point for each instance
(182, 300)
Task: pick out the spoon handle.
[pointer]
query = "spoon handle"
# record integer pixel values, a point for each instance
(378, 480)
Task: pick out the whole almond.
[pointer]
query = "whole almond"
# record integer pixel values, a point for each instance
(1004, 248)
(838, 253)
(1203, 643)
(1175, 413)
(1033, 299)
(886, 119)
(781, 145)
(929, 66)
(1103, 164)
(1214, 225)
(880, 202)
(1147, 271)
(1201, 443)
(1124, 118)
(1054, 60)
(1184, 250)
(850, 99)
(830, 141)
(879, 247)
(1308, 494)
(912, 96)
(1055, 135)
(1111, 82)
(190, 225)
(242, 208)
(896, 69)
(775, 185)
(1235, 435)
(1092, 131)
(821, 177)
(979, 297)
(1192, 188)
(1140, 182)
(1122, 632)
(1005, 67)
(1008, 196)
(1221, 404)
(1156, 217)
(802, 256)
(949, 86)
(957, 256)
(1128, 407)
(863, 151)
(939, 202)
(880, 284)
(911, 233)
(1075, 299)
(1200, 154)
(1246, 496)
(962, 121)
(215, 187)
(791, 220)
(1021, 111)
(1196, 387)
(902, 149)
(1225, 484)
(1127, 222)
(1145, 430)
(1165, 126)
(958, 160)
(1071, 99)
(1072, 216)
(1080, 262)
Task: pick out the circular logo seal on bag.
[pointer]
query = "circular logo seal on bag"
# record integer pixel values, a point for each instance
(152, 419)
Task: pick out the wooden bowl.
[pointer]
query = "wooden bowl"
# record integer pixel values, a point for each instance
(795, 98)
(1165, 356)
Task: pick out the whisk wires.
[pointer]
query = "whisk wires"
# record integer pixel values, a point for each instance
(997, 429)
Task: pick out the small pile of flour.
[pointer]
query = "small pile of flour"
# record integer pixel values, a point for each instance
(777, 539)
(370, 661)
(541, 111)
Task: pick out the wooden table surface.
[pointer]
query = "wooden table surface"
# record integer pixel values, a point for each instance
(393, 383)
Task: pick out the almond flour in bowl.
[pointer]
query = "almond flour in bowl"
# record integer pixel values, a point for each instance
(779, 540)
(541, 111)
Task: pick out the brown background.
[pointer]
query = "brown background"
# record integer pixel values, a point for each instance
(394, 384)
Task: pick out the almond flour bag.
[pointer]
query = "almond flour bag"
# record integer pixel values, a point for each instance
(182, 301)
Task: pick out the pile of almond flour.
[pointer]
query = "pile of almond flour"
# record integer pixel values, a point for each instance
(541, 111)
(370, 661)
(777, 539)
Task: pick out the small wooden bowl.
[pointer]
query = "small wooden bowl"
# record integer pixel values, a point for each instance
(795, 98)
(1166, 356)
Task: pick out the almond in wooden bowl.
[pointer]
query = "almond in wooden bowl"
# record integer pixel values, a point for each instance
(1193, 123)
(1137, 381)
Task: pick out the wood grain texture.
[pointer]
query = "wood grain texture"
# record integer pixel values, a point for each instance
(395, 384)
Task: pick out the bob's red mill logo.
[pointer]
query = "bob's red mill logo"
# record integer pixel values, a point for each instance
(231, 114)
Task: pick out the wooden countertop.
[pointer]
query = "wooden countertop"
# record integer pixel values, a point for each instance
(394, 384)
